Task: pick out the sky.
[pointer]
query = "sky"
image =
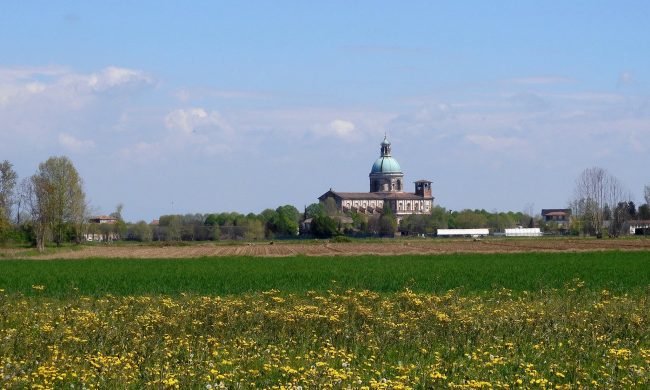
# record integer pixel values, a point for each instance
(201, 107)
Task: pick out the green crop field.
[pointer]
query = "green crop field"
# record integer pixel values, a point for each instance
(465, 321)
(616, 270)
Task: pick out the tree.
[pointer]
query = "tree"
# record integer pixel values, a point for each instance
(595, 188)
(142, 231)
(314, 209)
(120, 225)
(171, 225)
(56, 201)
(287, 219)
(35, 193)
(323, 226)
(254, 229)
(646, 194)
(425, 223)
(415, 224)
(387, 221)
(8, 179)
(359, 221)
(468, 219)
(644, 212)
(330, 207)
(624, 211)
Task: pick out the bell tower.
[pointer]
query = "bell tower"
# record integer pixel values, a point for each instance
(385, 148)
(423, 188)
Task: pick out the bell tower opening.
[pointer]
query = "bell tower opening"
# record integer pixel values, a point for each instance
(423, 188)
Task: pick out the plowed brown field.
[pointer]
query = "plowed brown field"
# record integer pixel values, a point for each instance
(383, 248)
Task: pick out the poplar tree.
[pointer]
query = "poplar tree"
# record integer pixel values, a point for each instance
(57, 201)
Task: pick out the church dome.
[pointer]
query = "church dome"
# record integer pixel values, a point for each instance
(386, 164)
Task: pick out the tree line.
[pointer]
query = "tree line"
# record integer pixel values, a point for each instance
(51, 206)
(602, 205)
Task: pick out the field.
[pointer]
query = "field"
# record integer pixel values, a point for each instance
(326, 248)
(568, 318)
(619, 271)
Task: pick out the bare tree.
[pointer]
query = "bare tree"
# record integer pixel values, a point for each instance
(646, 194)
(596, 189)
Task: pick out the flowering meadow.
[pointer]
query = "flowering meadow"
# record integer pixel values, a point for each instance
(560, 338)
(534, 320)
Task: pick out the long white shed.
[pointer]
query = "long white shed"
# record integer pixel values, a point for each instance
(523, 232)
(463, 232)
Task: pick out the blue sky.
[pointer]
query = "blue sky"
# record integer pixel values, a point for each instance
(239, 106)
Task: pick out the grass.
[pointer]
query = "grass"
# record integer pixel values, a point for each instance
(573, 338)
(618, 271)
(464, 321)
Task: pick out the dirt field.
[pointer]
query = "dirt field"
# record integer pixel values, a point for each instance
(324, 248)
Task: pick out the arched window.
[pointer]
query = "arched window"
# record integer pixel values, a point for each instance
(399, 185)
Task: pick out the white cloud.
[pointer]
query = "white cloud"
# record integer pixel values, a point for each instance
(195, 93)
(541, 80)
(142, 151)
(187, 120)
(66, 88)
(192, 129)
(625, 78)
(74, 144)
(113, 77)
(491, 143)
(343, 129)
(45, 105)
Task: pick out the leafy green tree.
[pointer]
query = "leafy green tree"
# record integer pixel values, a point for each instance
(287, 220)
(171, 225)
(315, 209)
(330, 207)
(359, 221)
(498, 221)
(414, 224)
(439, 217)
(254, 229)
(387, 221)
(142, 231)
(8, 180)
(323, 226)
(58, 201)
(468, 219)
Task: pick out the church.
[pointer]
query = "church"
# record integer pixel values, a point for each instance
(386, 185)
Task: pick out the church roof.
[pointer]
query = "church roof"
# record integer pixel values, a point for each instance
(373, 195)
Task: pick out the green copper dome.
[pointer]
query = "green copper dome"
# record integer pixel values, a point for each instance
(386, 164)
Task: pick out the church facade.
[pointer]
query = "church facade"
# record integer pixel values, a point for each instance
(386, 186)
